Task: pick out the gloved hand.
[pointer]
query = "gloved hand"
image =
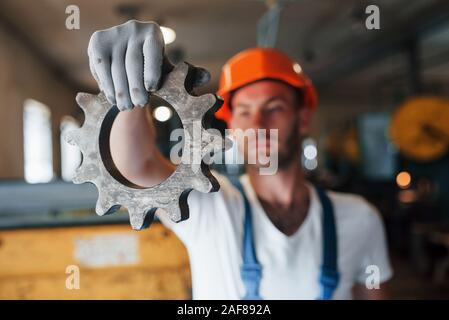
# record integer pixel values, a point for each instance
(128, 62)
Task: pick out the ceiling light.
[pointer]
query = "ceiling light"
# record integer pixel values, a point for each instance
(297, 68)
(403, 179)
(162, 113)
(169, 34)
(310, 152)
(310, 164)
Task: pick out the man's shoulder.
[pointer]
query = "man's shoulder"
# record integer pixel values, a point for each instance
(349, 200)
(355, 210)
(227, 193)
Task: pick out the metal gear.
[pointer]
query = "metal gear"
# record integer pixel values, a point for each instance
(114, 190)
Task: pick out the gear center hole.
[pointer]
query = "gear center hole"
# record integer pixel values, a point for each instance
(138, 173)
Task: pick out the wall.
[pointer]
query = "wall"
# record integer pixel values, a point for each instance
(23, 76)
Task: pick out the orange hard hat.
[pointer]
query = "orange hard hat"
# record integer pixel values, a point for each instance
(261, 63)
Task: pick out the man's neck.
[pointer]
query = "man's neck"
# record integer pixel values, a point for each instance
(284, 196)
(280, 187)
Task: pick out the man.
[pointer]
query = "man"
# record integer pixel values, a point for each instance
(277, 237)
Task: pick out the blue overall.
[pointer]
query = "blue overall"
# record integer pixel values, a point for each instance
(251, 270)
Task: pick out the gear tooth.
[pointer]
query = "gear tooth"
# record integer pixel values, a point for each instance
(72, 137)
(206, 101)
(81, 177)
(177, 78)
(178, 210)
(84, 99)
(174, 212)
(140, 220)
(102, 207)
(135, 219)
(212, 142)
(207, 104)
(201, 183)
(228, 143)
(182, 69)
(78, 177)
(87, 172)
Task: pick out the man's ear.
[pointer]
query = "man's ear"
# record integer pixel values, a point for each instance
(305, 116)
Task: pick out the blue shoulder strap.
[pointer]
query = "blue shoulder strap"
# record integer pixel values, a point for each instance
(250, 271)
(329, 275)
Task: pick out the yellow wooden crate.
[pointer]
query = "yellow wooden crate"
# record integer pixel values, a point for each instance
(151, 264)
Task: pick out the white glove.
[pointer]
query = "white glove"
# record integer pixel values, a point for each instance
(128, 62)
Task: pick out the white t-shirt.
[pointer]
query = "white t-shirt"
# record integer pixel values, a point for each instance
(290, 264)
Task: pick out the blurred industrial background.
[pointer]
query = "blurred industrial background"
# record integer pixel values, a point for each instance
(381, 130)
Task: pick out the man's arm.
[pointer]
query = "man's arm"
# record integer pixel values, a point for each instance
(374, 254)
(134, 151)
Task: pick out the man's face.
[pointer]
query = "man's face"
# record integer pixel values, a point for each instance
(269, 104)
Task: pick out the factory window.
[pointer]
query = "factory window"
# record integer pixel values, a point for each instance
(38, 150)
(70, 155)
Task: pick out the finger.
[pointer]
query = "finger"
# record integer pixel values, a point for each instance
(153, 53)
(134, 72)
(100, 67)
(94, 73)
(102, 71)
(120, 79)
